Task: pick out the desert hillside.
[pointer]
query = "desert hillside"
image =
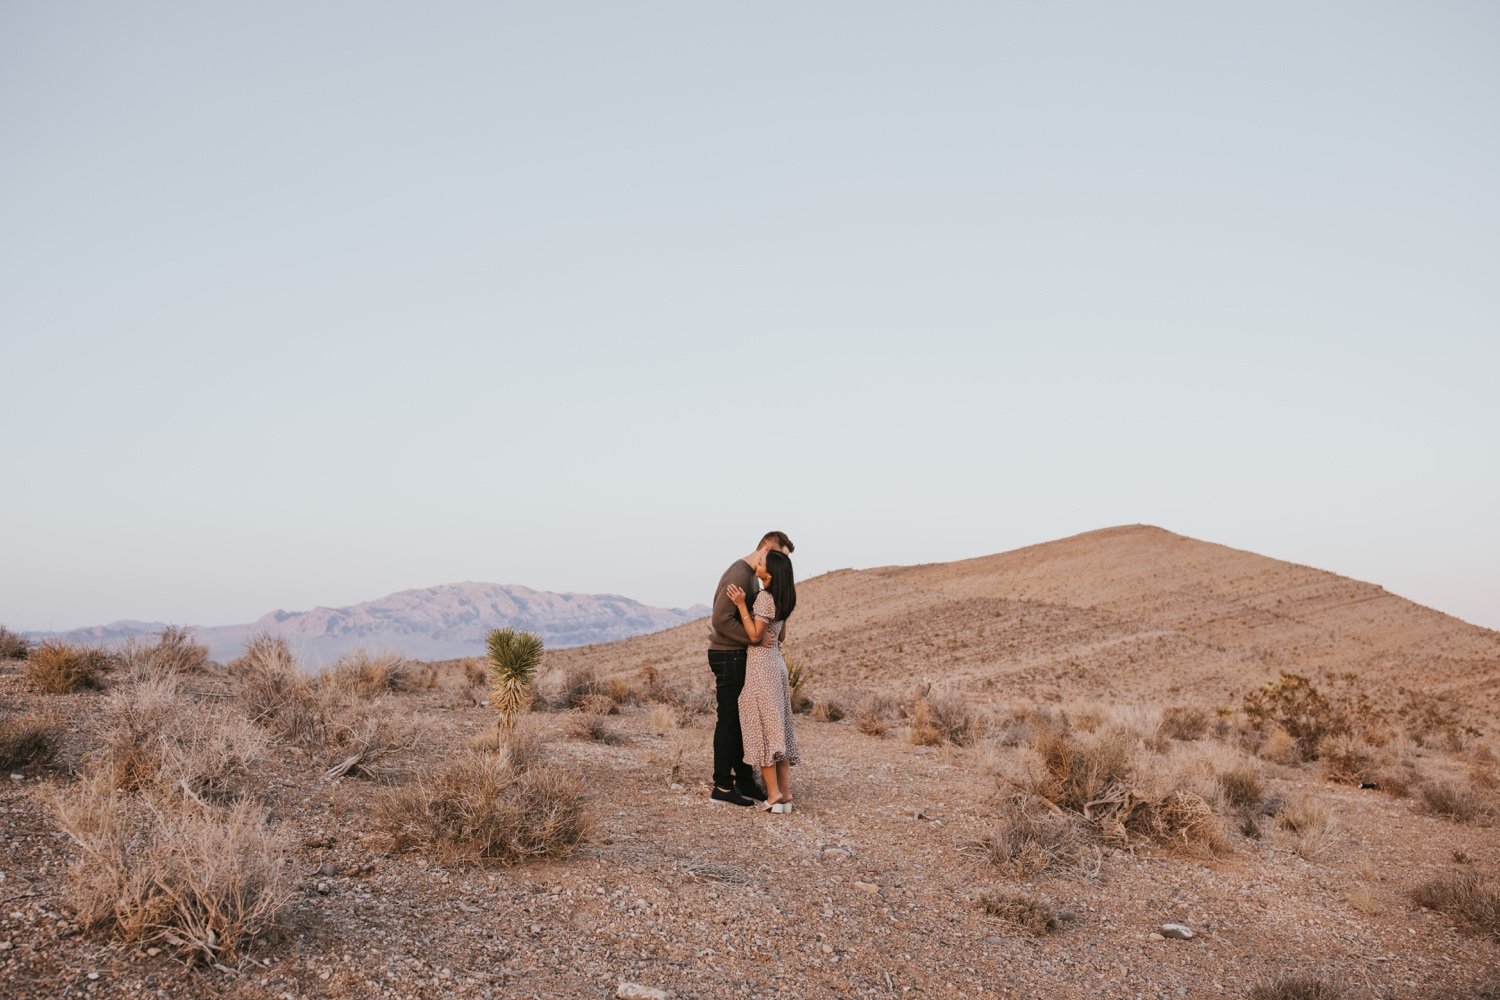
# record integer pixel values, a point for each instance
(1098, 796)
(1134, 613)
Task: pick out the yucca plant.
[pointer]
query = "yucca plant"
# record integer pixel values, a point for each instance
(514, 657)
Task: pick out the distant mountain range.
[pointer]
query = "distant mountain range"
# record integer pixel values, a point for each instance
(433, 623)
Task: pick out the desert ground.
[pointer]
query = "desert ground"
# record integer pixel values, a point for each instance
(1018, 770)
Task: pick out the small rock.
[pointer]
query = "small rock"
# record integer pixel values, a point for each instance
(328, 868)
(1153, 936)
(836, 854)
(323, 888)
(635, 991)
(1066, 916)
(18, 777)
(536, 928)
(867, 887)
(4, 946)
(153, 952)
(828, 949)
(93, 975)
(1177, 932)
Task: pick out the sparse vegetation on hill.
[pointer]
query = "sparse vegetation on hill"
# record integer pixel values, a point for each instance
(13, 645)
(58, 667)
(1471, 898)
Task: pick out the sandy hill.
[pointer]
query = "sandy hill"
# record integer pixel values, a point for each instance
(1131, 612)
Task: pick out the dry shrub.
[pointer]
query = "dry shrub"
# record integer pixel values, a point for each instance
(1311, 825)
(1242, 787)
(1082, 770)
(13, 645)
(663, 719)
(939, 719)
(1025, 910)
(1349, 758)
(1280, 747)
(1458, 802)
(274, 691)
(491, 808)
(365, 675)
(1293, 703)
(827, 710)
(1183, 822)
(204, 881)
(1296, 986)
(594, 728)
(29, 740)
(152, 738)
(59, 667)
(358, 736)
(521, 745)
(177, 652)
(1470, 898)
(580, 686)
(1184, 722)
(1028, 838)
(874, 712)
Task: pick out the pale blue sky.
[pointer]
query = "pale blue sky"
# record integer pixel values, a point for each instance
(306, 303)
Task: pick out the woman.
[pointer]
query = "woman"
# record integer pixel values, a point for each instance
(766, 701)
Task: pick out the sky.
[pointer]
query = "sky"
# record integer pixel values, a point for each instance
(305, 303)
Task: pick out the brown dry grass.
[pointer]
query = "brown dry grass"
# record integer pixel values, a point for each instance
(1311, 825)
(1081, 770)
(1296, 986)
(1027, 838)
(13, 645)
(1242, 787)
(502, 808)
(365, 675)
(203, 881)
(32, 739)
(59, 667)
(274, 691)
(1183, 822)
(944, 718)
(1460, 802)
(593, 727)
(1184, 722)
(1028, 911)
(1471, 898)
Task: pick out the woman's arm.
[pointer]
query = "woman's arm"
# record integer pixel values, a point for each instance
(754, 629)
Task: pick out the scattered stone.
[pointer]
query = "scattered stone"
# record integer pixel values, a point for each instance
(1177, 932)
(867, 887)
(635, 991)
(152, 952)
(1153, 936)
(18, 777)
(828, 949)
(836, 854)
(328, 868)
(323, 888)
(675, 786)
(4, 946)
(93, 975)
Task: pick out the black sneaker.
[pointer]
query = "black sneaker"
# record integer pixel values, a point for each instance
(731, 796)
(751, 792)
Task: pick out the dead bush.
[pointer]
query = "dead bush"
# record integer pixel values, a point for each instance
(1183, 822)
(357, 737)
(491, 808)
(13, 645)
(274, 691)
(365, 675)
(1348, 758)
(1311, 825)
(1293, 703)
(1183, 722)
(1455, 801)
(1296, 986)
(152, 738)
(582, 685)
(1242, 787)
(594, 728)
(203, 881)
(827, 710)
(939, 719)
(1028, 838)
(1028, 911)
(177, 652)
(29, 740)
(59, 667)
(1470, 898)
(873, 714)
(1081, 770)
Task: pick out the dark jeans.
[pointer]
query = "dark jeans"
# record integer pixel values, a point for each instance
(730, 768)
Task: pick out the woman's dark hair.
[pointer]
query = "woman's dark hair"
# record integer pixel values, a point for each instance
(783, 586)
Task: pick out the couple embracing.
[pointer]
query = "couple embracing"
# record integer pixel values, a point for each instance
(751, 606)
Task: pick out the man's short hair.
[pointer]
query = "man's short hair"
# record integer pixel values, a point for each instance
(777, 538)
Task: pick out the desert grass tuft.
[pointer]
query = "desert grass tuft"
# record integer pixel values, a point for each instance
(1458, 802)
(32, 739)
(828, 710)
(1311, 825)
(59, 667)
(13, 645)
(1242, 787)
(204, 881)
(491, 809)
(593, 727)
(1296, 986)
(873, 714)
(1082, 770)
(1028, 911)
(274, 691)
(1471, 898)
(1183, 822)
(365, 675)
(1184, 722)
(940, 719)
(1027, 838)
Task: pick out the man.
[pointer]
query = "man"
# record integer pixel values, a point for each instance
(734, 780)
